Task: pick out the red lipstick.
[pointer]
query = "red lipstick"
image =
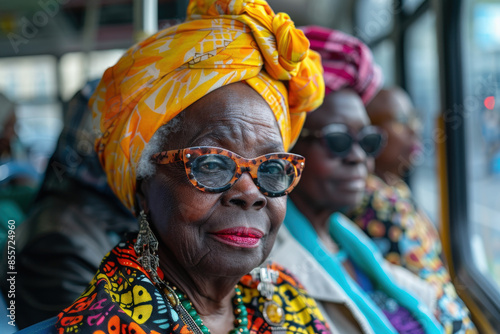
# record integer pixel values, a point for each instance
(242, 237)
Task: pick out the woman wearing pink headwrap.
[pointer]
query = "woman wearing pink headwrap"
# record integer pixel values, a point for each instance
(339, 265)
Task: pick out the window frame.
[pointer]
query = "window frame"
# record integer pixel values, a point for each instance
(483, 294)
(476, 290)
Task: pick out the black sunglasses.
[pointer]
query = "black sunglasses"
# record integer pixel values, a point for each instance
(339, 141)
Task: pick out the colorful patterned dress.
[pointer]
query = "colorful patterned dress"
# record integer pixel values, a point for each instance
(406, 237)
(122, 299)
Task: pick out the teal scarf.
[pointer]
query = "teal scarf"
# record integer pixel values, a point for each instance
(363, 252)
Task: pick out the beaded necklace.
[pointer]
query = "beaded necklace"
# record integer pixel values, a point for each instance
(190, 317)
(146, 248)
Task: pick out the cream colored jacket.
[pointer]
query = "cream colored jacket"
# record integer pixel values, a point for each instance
(340, 311)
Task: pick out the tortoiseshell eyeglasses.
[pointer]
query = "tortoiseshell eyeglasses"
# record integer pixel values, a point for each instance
(215, 170)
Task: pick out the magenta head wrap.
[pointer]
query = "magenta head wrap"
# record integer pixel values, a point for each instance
(347, 62)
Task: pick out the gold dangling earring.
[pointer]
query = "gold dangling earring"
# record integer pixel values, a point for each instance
(146, 247)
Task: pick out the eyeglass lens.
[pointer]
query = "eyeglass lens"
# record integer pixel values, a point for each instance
(275, 175)
(213, 170)
(340, 143)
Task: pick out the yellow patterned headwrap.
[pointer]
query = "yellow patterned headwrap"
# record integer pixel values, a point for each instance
(221, 42)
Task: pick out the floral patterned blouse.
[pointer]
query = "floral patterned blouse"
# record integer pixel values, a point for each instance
(406, 237)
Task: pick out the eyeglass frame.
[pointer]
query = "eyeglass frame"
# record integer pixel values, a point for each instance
(189, 154)
(321, 134)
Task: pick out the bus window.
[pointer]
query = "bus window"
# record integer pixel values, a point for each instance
(409, 6)
(482, 121)
(422, 79)
(32, 82)
(384, 54)
(29, 78)
(374, 20)
(76, 68)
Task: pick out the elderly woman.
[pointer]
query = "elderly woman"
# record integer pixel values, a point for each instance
(338, 264)
(392, 110)
(389, 215)
(194, 127)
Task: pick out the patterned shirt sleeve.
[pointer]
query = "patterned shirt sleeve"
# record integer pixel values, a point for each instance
(406, 237)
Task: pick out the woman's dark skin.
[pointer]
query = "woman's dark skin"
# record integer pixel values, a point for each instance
(403, 140)
(328, 183)
(236, 118)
